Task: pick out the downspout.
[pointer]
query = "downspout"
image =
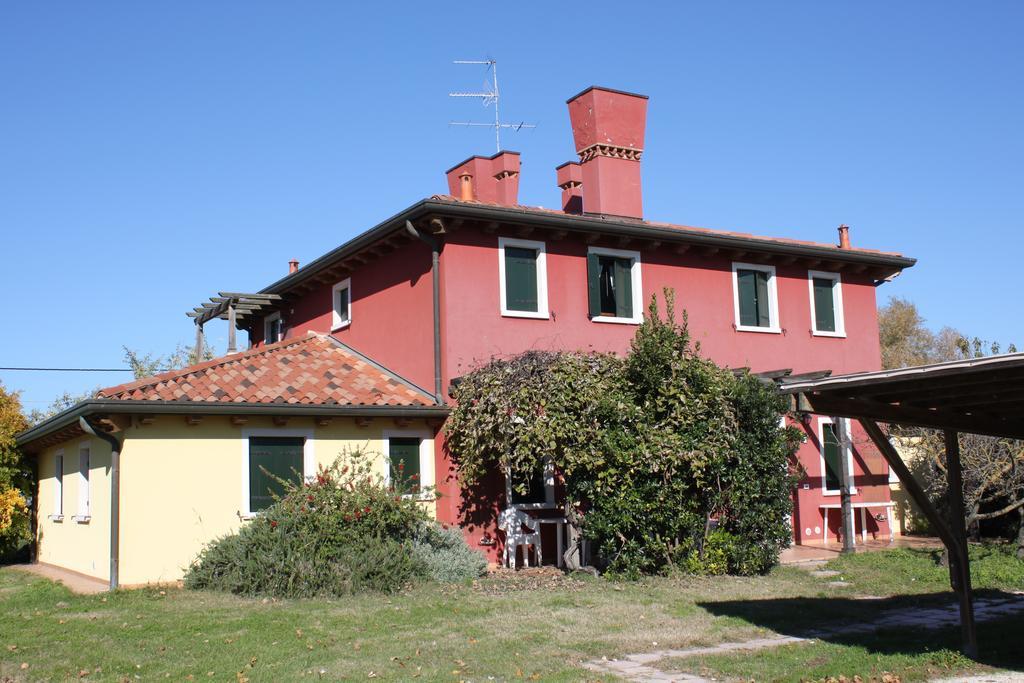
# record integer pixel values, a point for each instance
(115, 492)
(435, 249)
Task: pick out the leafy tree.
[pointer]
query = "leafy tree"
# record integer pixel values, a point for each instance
(993, 468)
(15, 477)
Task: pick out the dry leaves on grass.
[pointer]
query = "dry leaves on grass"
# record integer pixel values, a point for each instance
(504, 581)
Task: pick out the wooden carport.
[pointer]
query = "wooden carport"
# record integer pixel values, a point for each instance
(981, 396)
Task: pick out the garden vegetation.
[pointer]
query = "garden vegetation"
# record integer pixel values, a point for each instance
(668, 460)
(344, 532)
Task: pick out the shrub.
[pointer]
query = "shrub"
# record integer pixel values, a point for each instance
(341, 533)
(445, 555)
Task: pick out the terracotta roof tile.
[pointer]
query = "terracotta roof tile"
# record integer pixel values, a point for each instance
(315, 369)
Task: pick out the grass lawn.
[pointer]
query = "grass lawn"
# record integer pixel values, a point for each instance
(529, 626)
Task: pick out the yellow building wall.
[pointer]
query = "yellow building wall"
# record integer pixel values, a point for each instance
(184, 485)
(77, 544)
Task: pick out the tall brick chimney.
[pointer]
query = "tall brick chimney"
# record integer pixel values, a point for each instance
(490, 179)
(608, 129)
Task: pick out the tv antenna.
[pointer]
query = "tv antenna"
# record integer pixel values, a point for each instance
(489, 96)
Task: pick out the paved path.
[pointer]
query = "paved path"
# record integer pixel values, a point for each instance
(76, 583)
(641, 667)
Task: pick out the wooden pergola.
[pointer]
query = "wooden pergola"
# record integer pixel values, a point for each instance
(236, 308)
(980, 396)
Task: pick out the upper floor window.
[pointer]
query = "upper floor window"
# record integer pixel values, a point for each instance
(826, 304)
(755, 298)
(341, 295)
(523, 278)
(272, 329)
(614, 288)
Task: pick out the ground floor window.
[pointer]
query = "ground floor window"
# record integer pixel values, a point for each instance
(273, 460)
(531, 489)
(404, 460)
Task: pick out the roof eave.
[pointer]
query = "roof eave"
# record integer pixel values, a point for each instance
(70, 416)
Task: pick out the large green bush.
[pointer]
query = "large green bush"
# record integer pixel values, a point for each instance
(668, 460)
(344, 532)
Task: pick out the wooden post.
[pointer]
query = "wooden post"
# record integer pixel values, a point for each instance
(846, 503)
(200, 342)
(231, 331)
(959, 561)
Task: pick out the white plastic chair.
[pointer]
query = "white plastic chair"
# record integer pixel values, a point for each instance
(520, 530)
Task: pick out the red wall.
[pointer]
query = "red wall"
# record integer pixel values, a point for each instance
(392, 313)
(474, 331)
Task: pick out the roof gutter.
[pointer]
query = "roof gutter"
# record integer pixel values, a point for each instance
(96, 406)
(93, 429)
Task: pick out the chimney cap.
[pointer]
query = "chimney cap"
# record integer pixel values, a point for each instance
(481, 156)
(566, 164)
(601, 87)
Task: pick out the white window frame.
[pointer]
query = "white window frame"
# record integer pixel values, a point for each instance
(549, 490)
(542, 277)
(58, 487)
(846, 452)
(273, 317)
(427, 479)
(336, 322)
(84, 488)
(636, 278)
(837, 303)
(773, 298)
(308, 460)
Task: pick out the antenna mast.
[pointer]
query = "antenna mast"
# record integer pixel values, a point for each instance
(490, 96)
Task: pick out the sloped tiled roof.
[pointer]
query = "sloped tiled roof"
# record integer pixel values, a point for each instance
(311, 370)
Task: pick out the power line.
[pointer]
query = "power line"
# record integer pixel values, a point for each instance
(71, 369)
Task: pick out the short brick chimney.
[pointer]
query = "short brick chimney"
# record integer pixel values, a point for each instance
(486, 179)
(293, 266)
(844, 236)
(608, 129)
(570, 180)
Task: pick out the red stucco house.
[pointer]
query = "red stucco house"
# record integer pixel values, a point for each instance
(457, 279)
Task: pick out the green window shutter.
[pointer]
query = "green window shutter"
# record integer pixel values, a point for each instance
(521, 279)
(763, 311)
(272, 459)
(623, 290)
(534, 484)
(404, 454)
(342, 305)
(747, 292)
(833, 459)
(824, 305)
(594, 285)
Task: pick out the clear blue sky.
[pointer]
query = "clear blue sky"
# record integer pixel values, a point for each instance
(151, 156)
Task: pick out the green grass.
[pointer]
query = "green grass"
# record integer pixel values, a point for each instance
(529, 626)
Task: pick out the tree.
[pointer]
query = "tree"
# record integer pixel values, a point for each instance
(15, 478)
(993, 468)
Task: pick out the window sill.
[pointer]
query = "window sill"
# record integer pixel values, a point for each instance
(536, 315)
(335, 328)
(837, 335)
(616, 321)
(82, 519)
(762, 330)
(853, 492)
(247, 516)
(533, 506)
(56, 518)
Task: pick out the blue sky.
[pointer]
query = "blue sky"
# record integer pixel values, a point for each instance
(153, 155)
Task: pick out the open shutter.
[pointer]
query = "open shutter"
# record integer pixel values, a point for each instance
(747, 292)
(824, 305)
(594, 285)
(404, 454)
(272, 459)
(833, 460)
(763, 312)
(623, 288)
(520, 279)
